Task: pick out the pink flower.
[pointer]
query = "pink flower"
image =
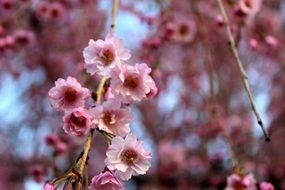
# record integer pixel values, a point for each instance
(102, 56)
(68, 94)
(111, 118)
(55, 10)
(105, 181)
(249, 7)
(253, 43)
(266, 186)
(77, 122)
(242, 183)
(22, 37)
(182, 30)
(48, 186)
(127, 157)
(133, 82)
(51, 139)
(37, 171)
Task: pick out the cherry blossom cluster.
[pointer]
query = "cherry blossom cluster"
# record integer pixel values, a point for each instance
(126, 156)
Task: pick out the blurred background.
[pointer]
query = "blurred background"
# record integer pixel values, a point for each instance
(200, 113)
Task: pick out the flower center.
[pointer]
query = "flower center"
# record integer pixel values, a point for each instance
(129, 156)
(238, 185)
(107, 56)
(183, 29)
(131, 82)
(248, 3)
(70, 94)
(78, 121)
(109, 118)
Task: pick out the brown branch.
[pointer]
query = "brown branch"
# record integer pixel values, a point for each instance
(99, 93)
(238, 61)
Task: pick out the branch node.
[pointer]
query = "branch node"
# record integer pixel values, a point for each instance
(268, 138)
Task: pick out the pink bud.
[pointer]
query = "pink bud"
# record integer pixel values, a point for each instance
(51, 139)
(253, 43)
(48, 186)
(271, 41)
(105, 180)
(220, 21)
(61, 148)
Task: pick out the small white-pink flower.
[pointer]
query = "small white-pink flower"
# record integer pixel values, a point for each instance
(133, 82)
(102, 56)
(77, 122)
(235, 181)
(127, 157)
(68, 94)
(111, 118)
(249, 7)
(105, 181)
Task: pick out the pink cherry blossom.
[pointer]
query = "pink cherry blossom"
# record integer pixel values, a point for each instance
(48, 186)
(133, 82)
(182, 30)
(77, 122)
(111, 118)
(127, 157)
(51, 139)
(242, 183)
(105, 181)
(68, 94)
(103, 55)
(37, 171)
(249, 6)
(266, 186)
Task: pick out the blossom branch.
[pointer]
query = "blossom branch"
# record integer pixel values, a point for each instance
(238, 61)
(99, 93)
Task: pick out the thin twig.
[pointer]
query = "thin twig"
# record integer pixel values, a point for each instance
(242, 70)
(214, 104)
(89, 139)
(114, 15)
